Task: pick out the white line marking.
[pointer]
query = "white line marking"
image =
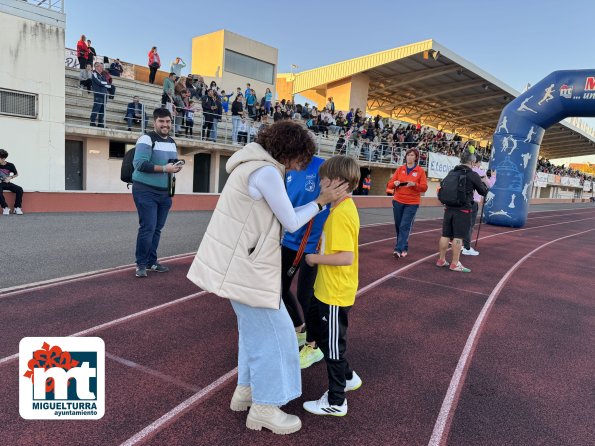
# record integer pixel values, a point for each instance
(78, 277)
(122, 319)
(179, 410)
(152, 372)
(4, 292)
(392, 238)
(443, 286)
(449, 405)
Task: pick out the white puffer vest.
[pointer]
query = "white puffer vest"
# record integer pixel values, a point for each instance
(239, 257)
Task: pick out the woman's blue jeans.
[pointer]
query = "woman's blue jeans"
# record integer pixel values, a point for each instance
(268, 357)
(404, 216)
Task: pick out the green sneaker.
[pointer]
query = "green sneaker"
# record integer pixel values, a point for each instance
(309, 355)
(301, 338)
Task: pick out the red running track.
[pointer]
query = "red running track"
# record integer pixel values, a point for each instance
(501, 356)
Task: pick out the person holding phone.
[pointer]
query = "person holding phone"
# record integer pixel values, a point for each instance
(409, 182)
(151, 189)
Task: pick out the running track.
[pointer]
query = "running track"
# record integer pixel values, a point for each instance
(502, 356)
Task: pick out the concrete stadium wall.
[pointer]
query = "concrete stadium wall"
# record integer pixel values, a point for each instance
(34, 202)
(32, 55)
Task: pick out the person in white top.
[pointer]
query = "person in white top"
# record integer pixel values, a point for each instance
(239, 258)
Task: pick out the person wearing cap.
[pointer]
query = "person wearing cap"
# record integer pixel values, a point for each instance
(409, 182)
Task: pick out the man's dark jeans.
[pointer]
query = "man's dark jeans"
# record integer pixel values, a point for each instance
(153, 207)
(98, 112)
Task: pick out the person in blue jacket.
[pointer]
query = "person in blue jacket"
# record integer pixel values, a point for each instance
(302, 187)
(100, 86)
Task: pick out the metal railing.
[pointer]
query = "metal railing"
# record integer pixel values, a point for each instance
(112, 112)
(53, 5)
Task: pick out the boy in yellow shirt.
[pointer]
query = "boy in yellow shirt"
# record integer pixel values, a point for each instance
(335, 288)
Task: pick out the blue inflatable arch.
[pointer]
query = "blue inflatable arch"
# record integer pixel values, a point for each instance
(519, 134)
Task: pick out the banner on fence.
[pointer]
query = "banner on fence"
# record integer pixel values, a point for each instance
(575, 182)
(71, 61)
(587, 186)
(541, 179)
(439, 165)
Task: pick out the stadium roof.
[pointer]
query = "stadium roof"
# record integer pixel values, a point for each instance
(427, 82)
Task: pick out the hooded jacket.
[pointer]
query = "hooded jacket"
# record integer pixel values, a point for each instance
(239, 257)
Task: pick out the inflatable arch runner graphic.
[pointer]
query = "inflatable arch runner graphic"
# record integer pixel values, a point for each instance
(519, 134)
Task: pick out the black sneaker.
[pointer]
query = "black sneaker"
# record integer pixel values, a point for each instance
(159, 268)
(141, 271)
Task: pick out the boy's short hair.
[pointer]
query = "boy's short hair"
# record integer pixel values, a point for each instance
(343, 168)
(3, 154)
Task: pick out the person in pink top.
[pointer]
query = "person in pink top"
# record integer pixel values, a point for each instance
(154, 64)
(467, 249)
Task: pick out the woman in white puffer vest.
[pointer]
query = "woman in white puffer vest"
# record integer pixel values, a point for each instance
(239, 258)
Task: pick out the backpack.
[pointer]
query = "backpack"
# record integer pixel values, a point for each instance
(453, 189)
(127, 168)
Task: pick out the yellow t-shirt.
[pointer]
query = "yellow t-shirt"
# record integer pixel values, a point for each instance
(337, 285)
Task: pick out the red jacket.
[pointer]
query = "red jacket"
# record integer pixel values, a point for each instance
(154, 57)
(82, 50)
(408, 194)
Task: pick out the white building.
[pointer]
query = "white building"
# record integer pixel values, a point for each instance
(32, 91)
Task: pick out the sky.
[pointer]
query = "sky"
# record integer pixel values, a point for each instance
(518, 41)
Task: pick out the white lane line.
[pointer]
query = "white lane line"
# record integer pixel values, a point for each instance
(443, 286)
(128, 318)
(392, 238)
(449, 405)
(78, 277)
(152, 372)
(11, 291)
(360, 291)
(182, 408)
(179, 410)
(417, 262)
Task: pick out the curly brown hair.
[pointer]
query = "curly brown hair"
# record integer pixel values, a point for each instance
(287, 141)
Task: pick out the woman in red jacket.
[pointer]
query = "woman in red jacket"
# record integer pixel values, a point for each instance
(154, 64)
(409, 182)
(82, 52)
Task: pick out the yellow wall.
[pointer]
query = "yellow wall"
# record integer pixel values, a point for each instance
(340, 91)
(284, 85)
(207, 54)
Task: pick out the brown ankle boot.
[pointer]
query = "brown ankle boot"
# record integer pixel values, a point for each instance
(241, 399)
(272, 418)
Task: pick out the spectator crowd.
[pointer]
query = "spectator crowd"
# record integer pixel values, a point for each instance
(374, 139)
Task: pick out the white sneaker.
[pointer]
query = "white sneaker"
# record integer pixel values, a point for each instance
(323, 407)
(18, 211)
(6, 211)
(469, 252)
(354, 383)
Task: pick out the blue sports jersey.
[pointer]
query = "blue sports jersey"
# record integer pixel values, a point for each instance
(303, 187)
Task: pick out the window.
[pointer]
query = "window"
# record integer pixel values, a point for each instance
(117, 149)
(18, 103)
(249, 67)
